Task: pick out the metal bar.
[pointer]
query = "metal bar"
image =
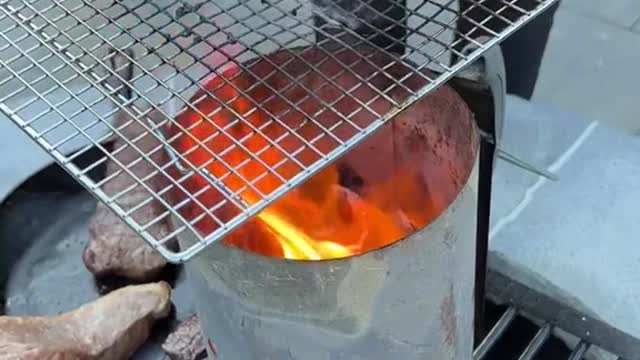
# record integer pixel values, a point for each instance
(494, 335)
(514, 160)
(580, 350)
(536, 344)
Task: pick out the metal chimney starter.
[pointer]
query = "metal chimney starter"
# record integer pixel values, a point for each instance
(410, 300)
(413, 299)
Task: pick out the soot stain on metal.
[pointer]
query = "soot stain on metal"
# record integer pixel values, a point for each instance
(416, 139)
(448, 318)
(449, 240)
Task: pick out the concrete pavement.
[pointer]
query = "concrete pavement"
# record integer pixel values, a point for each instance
(592, 63)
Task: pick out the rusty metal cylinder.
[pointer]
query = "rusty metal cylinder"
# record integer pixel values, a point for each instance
(412, 299)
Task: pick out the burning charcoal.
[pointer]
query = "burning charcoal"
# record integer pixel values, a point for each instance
(349, 179)
(110, 328)
(186, 342)
(114, 248)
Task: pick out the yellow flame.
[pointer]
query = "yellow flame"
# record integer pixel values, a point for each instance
(296, 244)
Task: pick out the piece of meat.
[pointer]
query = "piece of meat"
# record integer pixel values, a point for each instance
(111, 327)
(114, 248)
(186, 342)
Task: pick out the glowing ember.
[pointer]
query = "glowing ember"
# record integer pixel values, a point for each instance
(339, 225)
(320, 219)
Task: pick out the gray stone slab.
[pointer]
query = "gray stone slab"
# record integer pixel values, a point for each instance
(576, 238)
(619, 12)
(591, 68)
(531, 133)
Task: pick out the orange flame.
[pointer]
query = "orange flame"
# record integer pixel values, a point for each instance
(317, 220)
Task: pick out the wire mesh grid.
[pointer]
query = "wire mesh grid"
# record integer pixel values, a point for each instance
(206, 112)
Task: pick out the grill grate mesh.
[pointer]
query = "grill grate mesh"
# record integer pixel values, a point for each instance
(527, 324)
(76, 75)
(534, 347)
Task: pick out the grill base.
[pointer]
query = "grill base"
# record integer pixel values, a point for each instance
(25, 247)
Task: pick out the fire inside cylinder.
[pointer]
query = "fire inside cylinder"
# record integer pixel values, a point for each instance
(336, 213)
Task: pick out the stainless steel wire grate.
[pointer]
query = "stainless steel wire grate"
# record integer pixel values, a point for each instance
(266, 79)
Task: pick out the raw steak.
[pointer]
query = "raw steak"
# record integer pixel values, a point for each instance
(112, 327)
(114, 248)
(186, 342)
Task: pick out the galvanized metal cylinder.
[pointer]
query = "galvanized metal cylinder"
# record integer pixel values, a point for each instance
(410, 300)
